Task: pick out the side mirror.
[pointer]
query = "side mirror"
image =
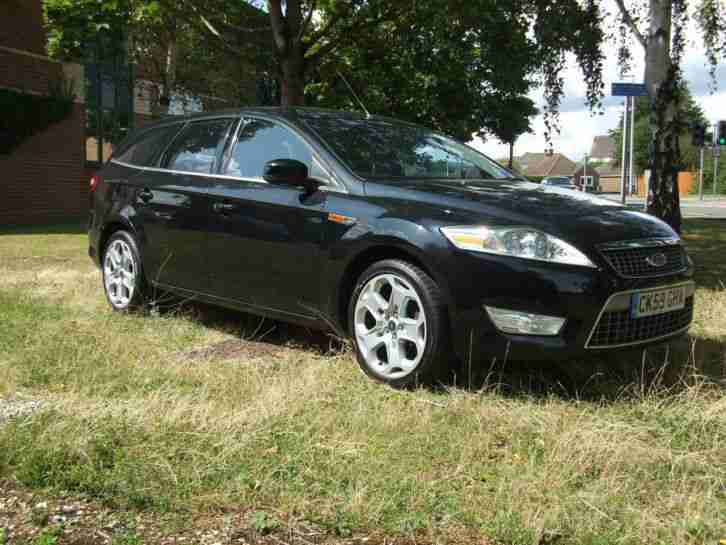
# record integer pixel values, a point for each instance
(286, 172)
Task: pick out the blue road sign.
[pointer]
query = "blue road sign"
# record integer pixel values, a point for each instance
(629, 90)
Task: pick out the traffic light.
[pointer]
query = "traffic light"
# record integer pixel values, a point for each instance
(721, 133)
(698, 136)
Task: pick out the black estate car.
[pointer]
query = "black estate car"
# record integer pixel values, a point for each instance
(421, 249)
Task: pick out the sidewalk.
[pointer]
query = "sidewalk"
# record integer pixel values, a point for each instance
(712, 206)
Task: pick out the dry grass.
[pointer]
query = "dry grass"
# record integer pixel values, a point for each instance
(179, 413)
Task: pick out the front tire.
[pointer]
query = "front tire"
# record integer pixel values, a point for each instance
(123, 277)
(398, 322)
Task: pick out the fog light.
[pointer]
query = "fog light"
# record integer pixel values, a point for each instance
(524, 323)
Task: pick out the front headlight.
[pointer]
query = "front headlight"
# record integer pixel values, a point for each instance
(522, 242)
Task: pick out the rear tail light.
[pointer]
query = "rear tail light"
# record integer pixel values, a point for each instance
(94, 182)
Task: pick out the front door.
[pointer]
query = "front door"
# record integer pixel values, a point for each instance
(265, 240)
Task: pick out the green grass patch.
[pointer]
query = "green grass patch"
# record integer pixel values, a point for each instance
(142, 413)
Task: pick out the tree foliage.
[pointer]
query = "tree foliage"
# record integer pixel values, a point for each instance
(659, 28)
(166, 49)
(690, 114)
(450, 76)
(460, 66)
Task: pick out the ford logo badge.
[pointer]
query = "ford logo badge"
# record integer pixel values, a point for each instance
(656, 260)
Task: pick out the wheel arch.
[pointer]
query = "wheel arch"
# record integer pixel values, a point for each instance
(367, 257)
(120, 224)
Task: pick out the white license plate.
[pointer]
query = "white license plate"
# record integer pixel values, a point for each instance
(651, 303)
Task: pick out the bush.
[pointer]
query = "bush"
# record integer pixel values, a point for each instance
(23, 114)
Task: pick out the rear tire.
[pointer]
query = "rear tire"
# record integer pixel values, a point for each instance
(123, 276)
(399, 325)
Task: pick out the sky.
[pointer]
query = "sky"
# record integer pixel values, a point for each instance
(578, 126)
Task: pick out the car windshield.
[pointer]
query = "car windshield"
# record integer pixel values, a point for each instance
(382, 148)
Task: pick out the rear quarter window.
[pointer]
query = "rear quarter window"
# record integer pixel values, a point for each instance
(144, 151)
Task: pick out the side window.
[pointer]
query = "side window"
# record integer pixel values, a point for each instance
(261, 141)
(198, 146)
(147, 148)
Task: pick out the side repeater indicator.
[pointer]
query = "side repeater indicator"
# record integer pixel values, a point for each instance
(339, 218)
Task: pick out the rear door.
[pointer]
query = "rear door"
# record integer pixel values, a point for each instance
(142, 159)
(265, 240)
(174, 204)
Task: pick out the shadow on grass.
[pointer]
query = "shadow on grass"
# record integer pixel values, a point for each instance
(623, 374)
(250, 328)
(670, 367)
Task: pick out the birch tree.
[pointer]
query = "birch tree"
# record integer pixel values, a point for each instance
(657, 28)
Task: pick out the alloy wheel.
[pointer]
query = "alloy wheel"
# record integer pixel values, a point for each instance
(390, 326)
(119, 273)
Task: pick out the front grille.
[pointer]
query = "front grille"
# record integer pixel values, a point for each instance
(619, 328)
(632, 262)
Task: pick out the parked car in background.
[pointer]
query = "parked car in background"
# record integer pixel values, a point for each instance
(422, 250)
(558, 181)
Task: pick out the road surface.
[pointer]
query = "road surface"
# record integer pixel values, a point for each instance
(711, 207)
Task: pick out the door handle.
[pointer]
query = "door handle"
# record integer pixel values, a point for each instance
(146, 194)
(224, 207)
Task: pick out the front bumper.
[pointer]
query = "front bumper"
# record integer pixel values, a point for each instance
(584, 297)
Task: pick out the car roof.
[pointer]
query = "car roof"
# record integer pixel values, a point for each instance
(290, 114)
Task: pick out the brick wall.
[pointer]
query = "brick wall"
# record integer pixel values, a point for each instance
(28, 72)
(42, 181)
(21, 25)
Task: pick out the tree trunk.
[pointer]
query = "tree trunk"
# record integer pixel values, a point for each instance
(292, 79)
(511, 155)
(170, 67)
(661, 79)
(287, 33)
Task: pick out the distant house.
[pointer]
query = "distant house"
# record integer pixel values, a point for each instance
(555, 164)
(587, 177)
(528, 160)
(609, 178)
(603, 149)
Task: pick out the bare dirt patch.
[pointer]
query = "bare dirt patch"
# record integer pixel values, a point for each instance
(28, 518)
(233, 349)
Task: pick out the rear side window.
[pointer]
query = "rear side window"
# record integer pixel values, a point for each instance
(145, 151)
(198, 146)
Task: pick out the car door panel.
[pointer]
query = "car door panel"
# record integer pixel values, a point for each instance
(266, 246)
(265, 239)
(175, 221)
(174, 204)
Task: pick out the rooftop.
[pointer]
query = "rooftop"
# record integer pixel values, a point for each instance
(603, 147)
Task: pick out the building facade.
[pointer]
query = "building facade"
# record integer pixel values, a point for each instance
(603, 149)
(541, 165)
(587, 177)
(44, 179)
(41, 179)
